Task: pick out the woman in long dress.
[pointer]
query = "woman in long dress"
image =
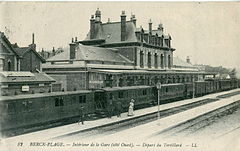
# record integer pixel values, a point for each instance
(130, 109)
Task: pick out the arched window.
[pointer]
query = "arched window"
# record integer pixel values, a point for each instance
(156, 60)
(149, 60)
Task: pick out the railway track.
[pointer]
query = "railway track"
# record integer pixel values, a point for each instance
(190, 128)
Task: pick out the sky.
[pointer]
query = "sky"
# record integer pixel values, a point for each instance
(208, 32)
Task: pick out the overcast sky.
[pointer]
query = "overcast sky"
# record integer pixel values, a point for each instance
(207, 32)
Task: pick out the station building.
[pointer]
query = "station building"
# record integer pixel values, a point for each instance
(116, 54)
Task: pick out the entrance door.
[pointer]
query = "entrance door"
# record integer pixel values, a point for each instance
(100, 100)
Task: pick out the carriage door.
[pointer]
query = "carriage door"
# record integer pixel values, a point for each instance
(100, 100)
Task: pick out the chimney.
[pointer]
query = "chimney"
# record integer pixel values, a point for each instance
(133, 19)
(53, 51)
(75, 39)
(150, 27)
(98, 15)
(160, 27)
(108, 21)
(188, 60)
(92, 27)
(32, 38)
(33, 45)
(72, 50)
(123, 26)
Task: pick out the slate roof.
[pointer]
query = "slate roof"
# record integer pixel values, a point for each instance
(111, 32)
(84, 52)
(22, 50)
(18, 77)
(180, 63)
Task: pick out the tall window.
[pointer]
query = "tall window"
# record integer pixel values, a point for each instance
(9, 65)
(162, 61)
(156, 60)
(161, 42)
(141, 59)
(149, 60)
(169, 61)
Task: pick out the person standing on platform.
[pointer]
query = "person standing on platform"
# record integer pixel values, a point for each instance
(118, 108)
(81, 114)
(110, 109)
(131, 107)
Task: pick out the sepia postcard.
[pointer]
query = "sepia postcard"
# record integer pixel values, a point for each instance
(112, 75)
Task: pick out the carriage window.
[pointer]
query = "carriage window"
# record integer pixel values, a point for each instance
(110, 96)
(82, 99)
(144, 92)
(166, 89)
(57, 103)
(10, 107)
(61, 101)
(30, 105)
(120, 94)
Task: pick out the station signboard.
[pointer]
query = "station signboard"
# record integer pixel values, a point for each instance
(25, 88)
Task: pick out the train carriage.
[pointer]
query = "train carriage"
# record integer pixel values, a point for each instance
(171, 92)
(200, 88)
(22, 111)
(143, 95)
(27, 110)
(188, 90)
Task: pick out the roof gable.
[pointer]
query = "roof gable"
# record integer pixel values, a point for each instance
(23, 50)
(5, 43)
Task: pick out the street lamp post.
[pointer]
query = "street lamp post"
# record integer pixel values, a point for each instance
(158, 90)
(193, 96)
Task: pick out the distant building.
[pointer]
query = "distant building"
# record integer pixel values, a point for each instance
(184, 66)
(48, 54)
(30, 59)
(20, 69)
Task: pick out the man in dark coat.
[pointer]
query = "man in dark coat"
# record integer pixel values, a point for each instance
(81, 114)
(118, 108)
(110, 109)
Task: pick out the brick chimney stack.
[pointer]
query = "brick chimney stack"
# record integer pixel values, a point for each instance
(98, 15)
(150, 26)
(134, 20)
(160, 27)
(188, 60)
(33, 45)
(72, 50)
(123, 26)
(32, 38)
(53, 51)
(92, 27)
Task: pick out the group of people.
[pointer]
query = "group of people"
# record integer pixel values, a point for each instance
(117, 107)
